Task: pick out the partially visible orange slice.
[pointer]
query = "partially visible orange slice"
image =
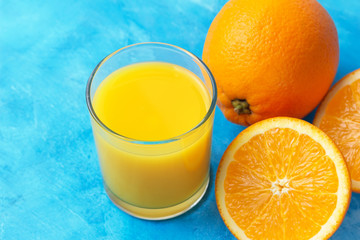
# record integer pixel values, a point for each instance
(339, 117)
(282, 178)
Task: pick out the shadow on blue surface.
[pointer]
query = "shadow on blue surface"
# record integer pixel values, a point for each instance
(350, 228)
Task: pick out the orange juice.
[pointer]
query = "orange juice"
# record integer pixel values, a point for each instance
(147, 102)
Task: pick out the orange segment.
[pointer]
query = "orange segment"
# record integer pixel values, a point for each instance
(339, 117)
(344, 105)
(249, 156)
(319, 176)
(282, 178)
(355, 87)
(296, 224)
(280, 147)
(269, 224)
(244, 208)
(242, 178)
(346, 135)
(307, 150)
(308, 203)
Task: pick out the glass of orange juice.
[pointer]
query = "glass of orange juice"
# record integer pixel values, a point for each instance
(152, 112)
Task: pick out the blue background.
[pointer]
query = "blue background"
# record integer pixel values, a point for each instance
(50, 182)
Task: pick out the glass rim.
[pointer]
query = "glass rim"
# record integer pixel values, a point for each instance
(172, 139)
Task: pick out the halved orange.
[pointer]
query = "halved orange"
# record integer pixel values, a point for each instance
(282, 178)
(339, 117)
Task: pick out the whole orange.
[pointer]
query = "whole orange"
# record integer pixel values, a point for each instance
(271, 58)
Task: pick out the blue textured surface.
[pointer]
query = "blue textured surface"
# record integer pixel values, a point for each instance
(50, 182)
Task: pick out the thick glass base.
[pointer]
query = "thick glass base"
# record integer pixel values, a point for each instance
(159, 213)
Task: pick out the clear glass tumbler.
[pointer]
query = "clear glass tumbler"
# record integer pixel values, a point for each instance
(154, 179)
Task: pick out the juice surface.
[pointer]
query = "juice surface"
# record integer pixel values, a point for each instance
(151, 101)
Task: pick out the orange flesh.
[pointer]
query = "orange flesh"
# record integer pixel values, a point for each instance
(341, 122)
(281, 185)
